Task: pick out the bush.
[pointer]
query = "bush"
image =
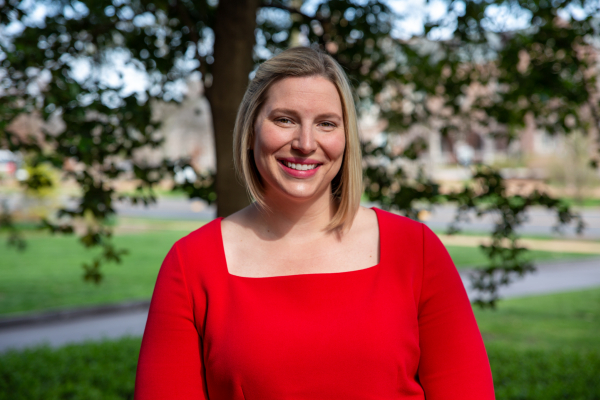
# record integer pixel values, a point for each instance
(106, 370)
(90, 371)
(547, 375)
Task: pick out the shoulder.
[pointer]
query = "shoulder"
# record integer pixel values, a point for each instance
(241, 224)
(407, 236)
(205, 232)
(392, 223)
(365, 220)
(240, 221)
(205, 239)
(196, 258)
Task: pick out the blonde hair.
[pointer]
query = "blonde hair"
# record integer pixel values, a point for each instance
(347, 186)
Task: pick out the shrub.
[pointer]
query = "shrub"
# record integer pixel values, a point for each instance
(103, 370)
(547, 375)
(106, 370)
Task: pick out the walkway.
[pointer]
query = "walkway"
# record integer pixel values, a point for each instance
(540, 221)
(553, 245)
(549, 278)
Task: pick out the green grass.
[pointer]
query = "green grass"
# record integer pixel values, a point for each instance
(465, 257)
(48, 274)
(564, 321)
(588, 202)
(540, 348)
(544, 347)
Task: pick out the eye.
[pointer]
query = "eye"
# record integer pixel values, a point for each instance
(284, 120)
(328, 124)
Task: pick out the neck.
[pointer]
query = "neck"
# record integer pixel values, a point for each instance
(286, 217)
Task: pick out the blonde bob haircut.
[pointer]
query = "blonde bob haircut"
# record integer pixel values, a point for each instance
(347, 185)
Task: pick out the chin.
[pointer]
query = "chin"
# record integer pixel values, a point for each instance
(299, 193)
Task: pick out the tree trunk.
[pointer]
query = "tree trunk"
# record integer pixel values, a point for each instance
(234, 43)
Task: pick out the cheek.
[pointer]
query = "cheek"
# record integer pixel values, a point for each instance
(335, 146)
(266, 142)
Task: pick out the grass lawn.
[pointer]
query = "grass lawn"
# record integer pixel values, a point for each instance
(544, 347)
(47, 275)
(564, 321)
(588, 202)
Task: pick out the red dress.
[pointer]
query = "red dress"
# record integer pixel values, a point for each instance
(402, 329)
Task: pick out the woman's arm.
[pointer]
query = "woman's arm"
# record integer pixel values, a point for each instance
(170, 362)
(453, 364)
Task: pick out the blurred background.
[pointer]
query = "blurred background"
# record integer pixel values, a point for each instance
(479, 118)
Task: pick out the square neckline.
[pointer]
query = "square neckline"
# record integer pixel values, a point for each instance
(371, 268)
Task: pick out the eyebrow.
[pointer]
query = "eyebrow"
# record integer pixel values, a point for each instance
(295, 113)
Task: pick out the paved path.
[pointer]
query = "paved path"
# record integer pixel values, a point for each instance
(549, 278)
(554, 277)
(551, 245)
(60, 333)
(540, 221)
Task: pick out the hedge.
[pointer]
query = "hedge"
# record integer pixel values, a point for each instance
(90, 371)
(106, 370)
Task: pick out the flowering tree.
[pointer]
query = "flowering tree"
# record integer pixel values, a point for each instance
(544, 69)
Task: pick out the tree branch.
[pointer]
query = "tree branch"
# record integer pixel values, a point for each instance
(184, 16)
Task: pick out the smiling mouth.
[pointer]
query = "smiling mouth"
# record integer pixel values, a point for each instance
(298, 166)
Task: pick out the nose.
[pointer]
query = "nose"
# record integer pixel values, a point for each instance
(305, 141)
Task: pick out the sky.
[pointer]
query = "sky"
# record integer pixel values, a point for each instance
(413, 15)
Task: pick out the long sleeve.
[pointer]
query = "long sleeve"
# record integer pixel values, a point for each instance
(170, 362)
(453, 363)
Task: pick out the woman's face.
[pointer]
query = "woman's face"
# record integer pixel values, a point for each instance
(299, 138)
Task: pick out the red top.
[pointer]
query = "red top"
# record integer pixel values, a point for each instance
(402, 329)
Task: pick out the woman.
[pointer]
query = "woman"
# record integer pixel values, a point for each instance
(304, 294)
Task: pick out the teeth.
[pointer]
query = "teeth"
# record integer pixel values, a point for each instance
(300, 167)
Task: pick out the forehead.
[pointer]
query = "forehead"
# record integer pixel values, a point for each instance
(311, 93)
